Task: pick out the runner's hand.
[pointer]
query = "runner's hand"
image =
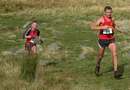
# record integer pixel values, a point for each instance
(29, 36)
(105, 27)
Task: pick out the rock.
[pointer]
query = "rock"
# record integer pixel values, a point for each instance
(20, 51)
(53, 47)
(85, 51)
(40, 48)
(54, 51)
(6, 53)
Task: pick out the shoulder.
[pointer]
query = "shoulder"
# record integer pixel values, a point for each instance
(100, 20)
(28, 31)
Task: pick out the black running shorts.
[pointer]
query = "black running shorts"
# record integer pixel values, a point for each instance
(105, 43)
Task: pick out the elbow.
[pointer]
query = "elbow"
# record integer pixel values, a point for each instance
(92, 26)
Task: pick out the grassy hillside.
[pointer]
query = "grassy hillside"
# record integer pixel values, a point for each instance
(66, 59)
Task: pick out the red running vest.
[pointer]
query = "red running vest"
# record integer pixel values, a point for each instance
(106, 21)
(32, 34)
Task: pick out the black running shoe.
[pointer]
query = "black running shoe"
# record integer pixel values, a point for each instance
(117, 75)
(97, 71)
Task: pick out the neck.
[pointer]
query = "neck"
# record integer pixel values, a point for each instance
(108, 16)
(33, 29)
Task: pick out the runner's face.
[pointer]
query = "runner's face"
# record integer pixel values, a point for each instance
(108, 12)
(34, 26)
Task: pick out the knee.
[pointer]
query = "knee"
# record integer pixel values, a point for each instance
(100, 56)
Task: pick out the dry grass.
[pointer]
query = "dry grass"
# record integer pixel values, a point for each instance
(66, 3)
(13, 5)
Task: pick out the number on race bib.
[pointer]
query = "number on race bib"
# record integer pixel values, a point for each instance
(108, 31)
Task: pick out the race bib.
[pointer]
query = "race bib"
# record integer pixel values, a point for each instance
(108, 31)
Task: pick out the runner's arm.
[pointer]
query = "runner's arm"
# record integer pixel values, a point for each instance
(95, 25)
(27, 33)
(117, 28)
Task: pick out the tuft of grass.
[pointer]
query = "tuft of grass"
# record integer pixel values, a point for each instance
(28, 68)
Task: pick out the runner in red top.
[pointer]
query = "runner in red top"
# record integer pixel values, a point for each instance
(31, 37)
(107, 21)
(106, 27)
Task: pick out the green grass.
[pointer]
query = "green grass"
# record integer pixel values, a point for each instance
(63, 69)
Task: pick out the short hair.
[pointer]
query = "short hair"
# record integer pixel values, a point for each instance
(33, 19)
(107, 8)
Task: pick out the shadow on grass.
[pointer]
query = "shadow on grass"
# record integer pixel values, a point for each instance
(28, 68)
(120, 69)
